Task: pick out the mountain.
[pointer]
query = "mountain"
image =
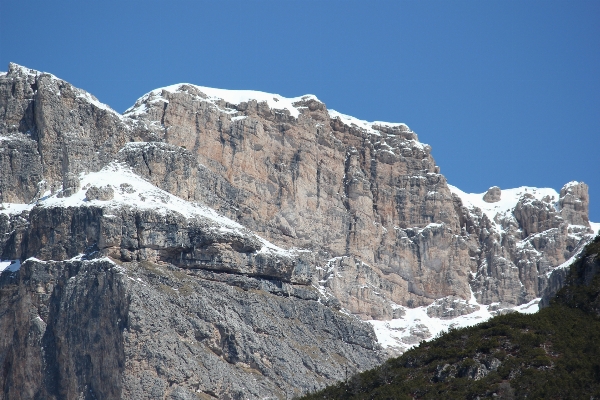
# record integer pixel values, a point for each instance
(239, 244)
(553, 354)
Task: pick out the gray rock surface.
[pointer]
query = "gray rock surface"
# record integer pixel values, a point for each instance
(62, 331)
(100, 193)
(493, 195)
(144, 330)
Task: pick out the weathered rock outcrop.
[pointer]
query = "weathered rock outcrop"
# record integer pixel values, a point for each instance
(574, 203)
(59, 233)
(52, 132)
(520, 247)
(450, 307)
(61, 331)
(94, 329)
(493, 195)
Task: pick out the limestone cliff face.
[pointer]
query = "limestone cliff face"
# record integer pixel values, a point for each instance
(370, 194)
(231, 240)
(316, 182)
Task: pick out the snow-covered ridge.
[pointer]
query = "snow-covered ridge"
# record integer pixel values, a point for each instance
(93, 100)
(508, 199)
(130, 189)
(26, 71)
(274, 101)
(133, 191)
(366, 125)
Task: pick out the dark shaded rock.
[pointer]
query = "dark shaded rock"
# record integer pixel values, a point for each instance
(94, 329)
(62, 327)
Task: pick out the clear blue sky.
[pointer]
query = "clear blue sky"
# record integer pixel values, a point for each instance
(506, 92)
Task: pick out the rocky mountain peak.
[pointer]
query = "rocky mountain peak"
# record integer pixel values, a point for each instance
(304, 221)
(574, 203)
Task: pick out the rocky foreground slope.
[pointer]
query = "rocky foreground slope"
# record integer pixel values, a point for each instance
(228, 244)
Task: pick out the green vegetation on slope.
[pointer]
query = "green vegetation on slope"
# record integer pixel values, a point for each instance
(553, 354)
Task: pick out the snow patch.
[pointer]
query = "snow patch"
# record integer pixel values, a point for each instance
(508, 199)
(366, 125)
(595, 227)
(401, 334)
(274, 101)
(14, 208)
(10, 265)
(571, 184)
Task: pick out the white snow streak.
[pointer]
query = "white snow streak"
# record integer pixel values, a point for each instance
(274, 101)
(368, 126)
(401, 334)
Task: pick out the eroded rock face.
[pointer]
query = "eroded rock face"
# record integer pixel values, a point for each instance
(129, 234)
(520, 248)
(57, 130)
(20, 163)
(95, 329)
(312, 180)
(62, 331)
(320, 182)
(574, 203)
